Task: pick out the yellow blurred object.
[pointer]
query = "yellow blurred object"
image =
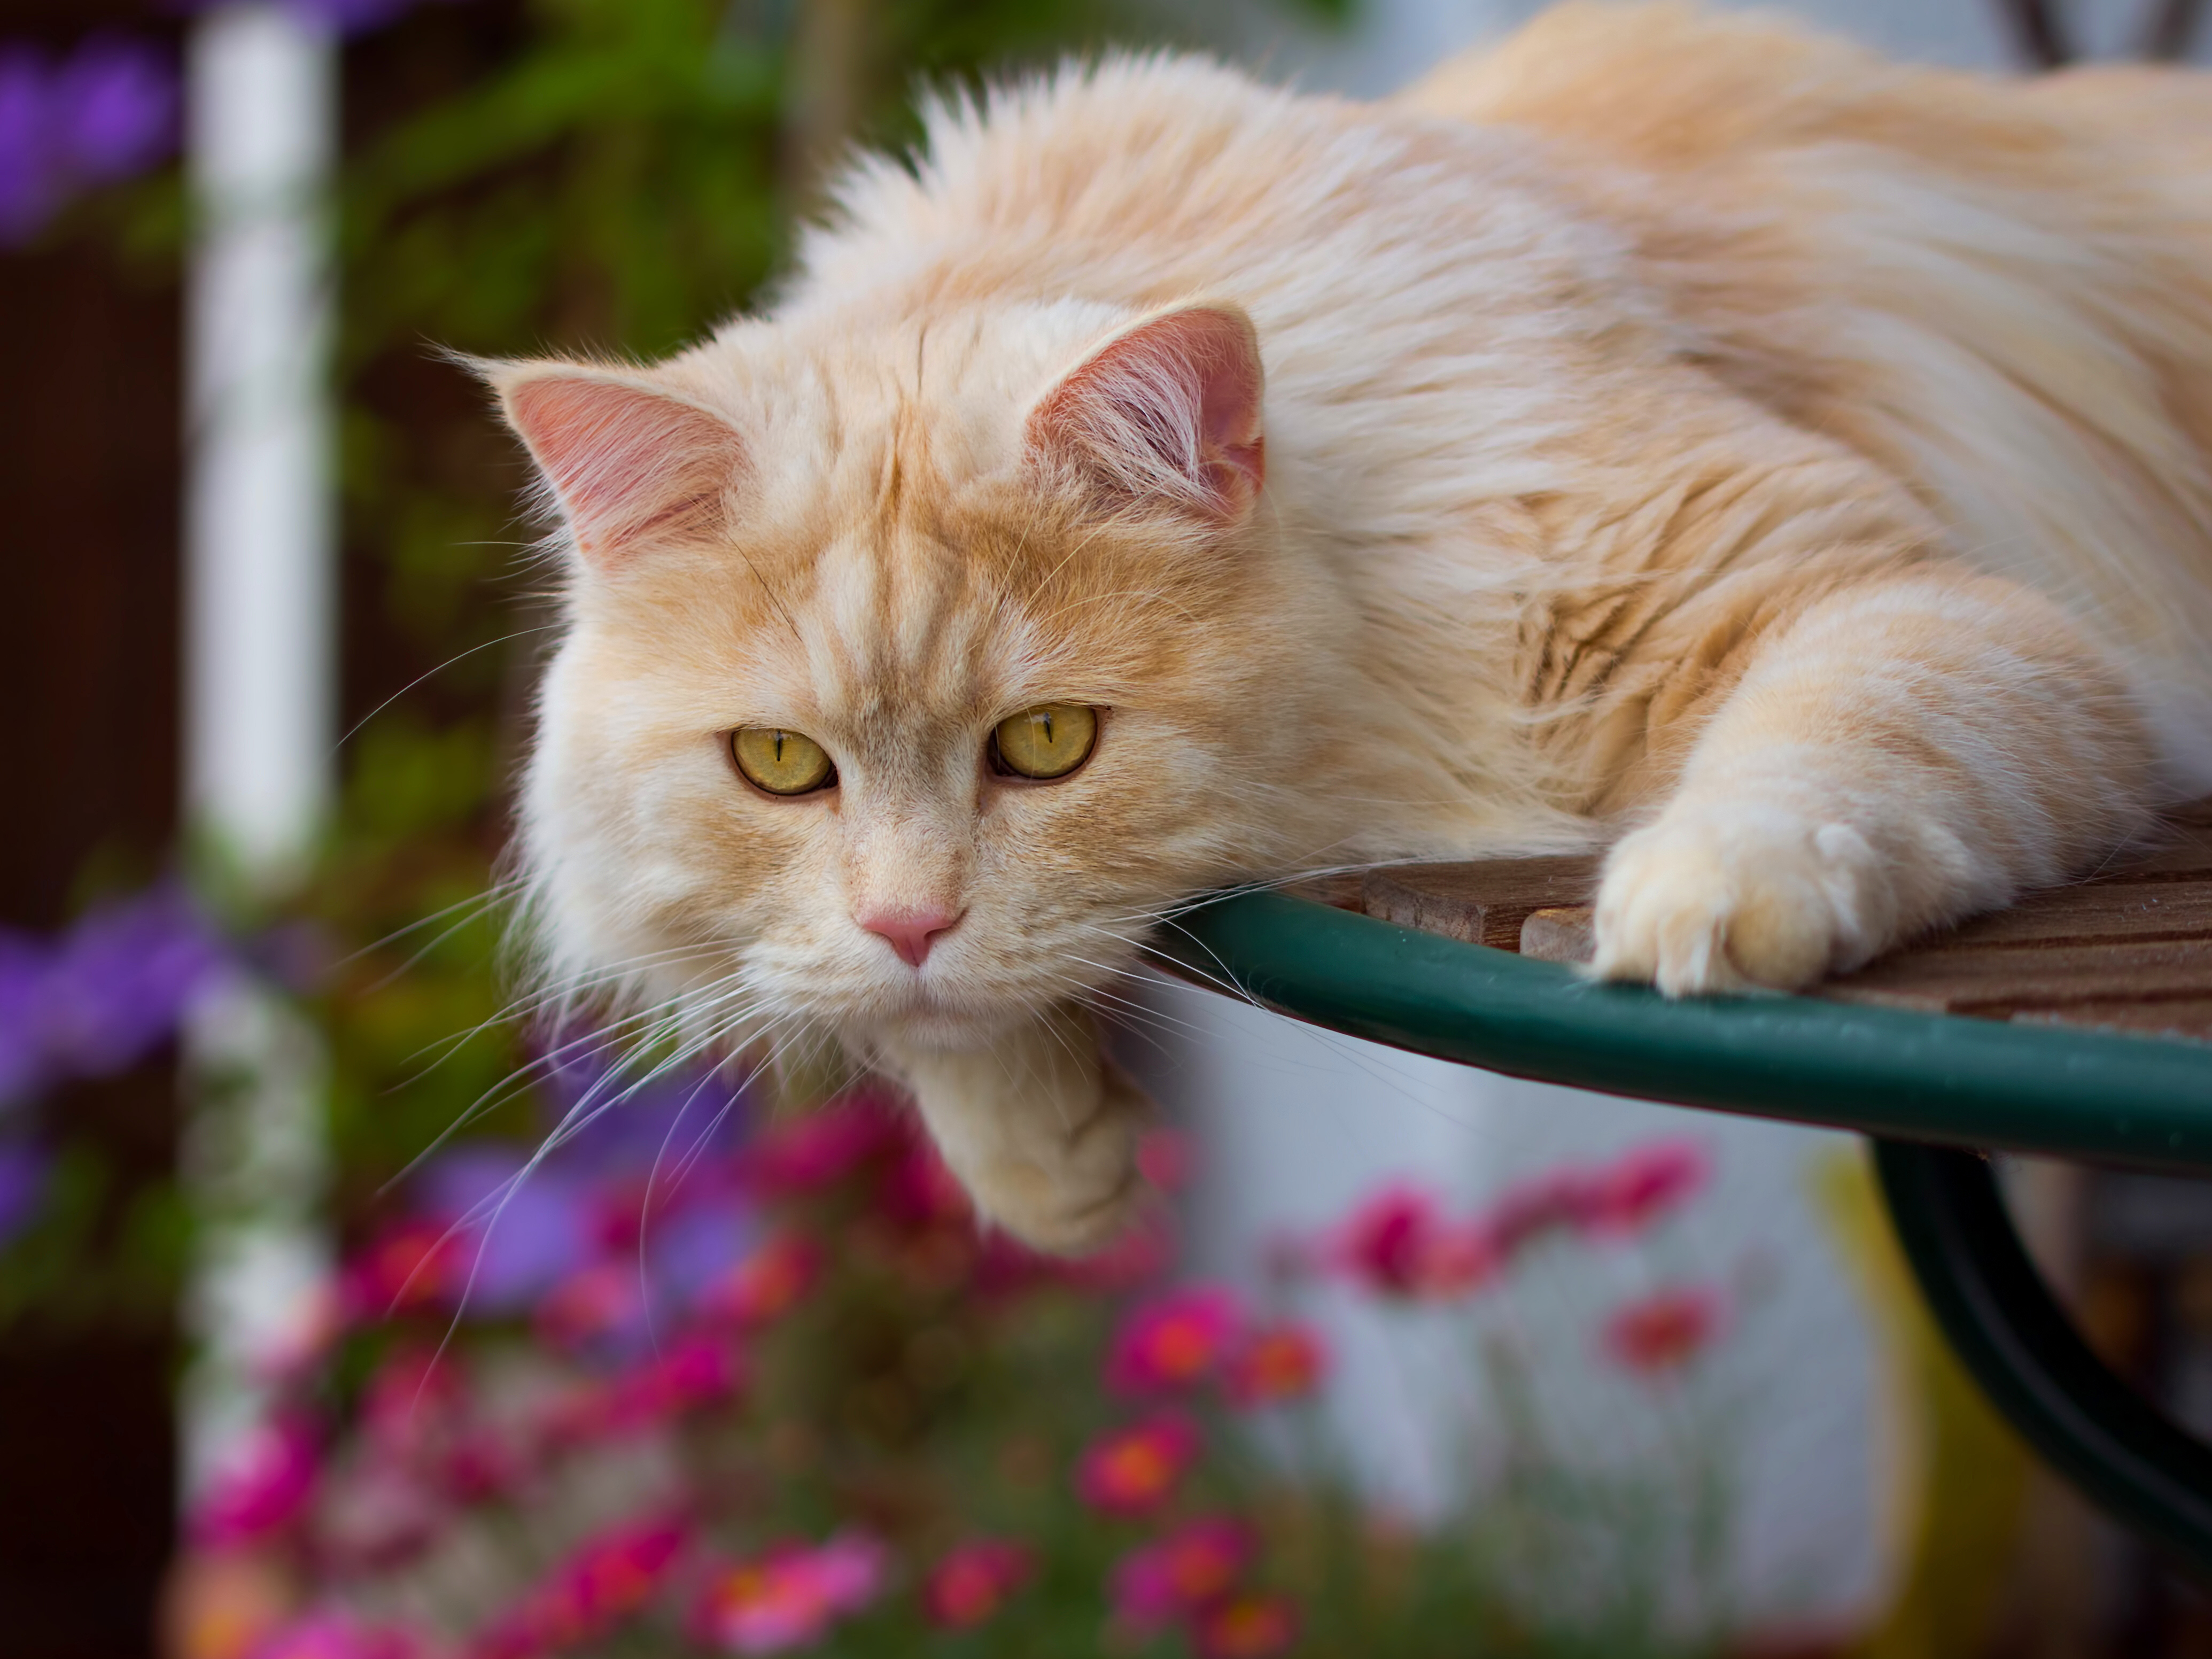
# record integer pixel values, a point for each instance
(1955, 1474)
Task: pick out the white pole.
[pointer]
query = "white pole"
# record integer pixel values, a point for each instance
(259, 687)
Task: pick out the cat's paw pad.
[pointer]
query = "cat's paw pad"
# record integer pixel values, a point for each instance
(1734, 898)
(1076, 1191)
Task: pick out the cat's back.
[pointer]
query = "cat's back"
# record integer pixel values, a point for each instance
(2001, 288)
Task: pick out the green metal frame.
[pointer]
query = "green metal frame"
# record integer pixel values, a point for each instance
(2008, 1331)
(1920, 1084)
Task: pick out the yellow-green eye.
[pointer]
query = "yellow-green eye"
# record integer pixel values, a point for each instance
(1048, 741)
(781, 762)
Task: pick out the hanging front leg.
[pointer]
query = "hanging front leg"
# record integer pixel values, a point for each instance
(1039, 1128)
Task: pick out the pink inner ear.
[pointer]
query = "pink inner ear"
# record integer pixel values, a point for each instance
(626, 462)
(1169, 409)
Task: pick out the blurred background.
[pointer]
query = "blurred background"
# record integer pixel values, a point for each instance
(295, 1363)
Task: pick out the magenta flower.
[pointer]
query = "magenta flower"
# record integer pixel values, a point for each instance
(601, 1308)
(335, 1636)
(1663, 1332)
(406, 1266)
(789, 1597)
(1559, 1200)
(1274, 1365)
(1190, 1569)
(266, 1485)
(1173, 1341)
(1397, 1244)
(1643, 1184)
(823, 1147)
(1132, 1471)
(692, 1374)
(767, 1284)
(610, 1579)
(972, 1582)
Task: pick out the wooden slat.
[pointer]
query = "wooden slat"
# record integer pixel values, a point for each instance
(1999, 979)
(2118, 913)
(1568, 933)
(1482, 903)
(2184, 1017)
(2127, 949)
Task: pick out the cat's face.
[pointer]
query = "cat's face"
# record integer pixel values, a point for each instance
(816, 577)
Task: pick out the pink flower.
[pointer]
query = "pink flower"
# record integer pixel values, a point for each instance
(411, 1397)
(790, 1596)
(333, 1635)
(1190, 1569)
(408, 1265)
(822, 1148)
(1664, 1331)
(601, 1306)
(1174, 1340)
(1132, 1471)
(1273, 1365)
(1167, 1158)
(1559, 1201)
(609, 1579)
(1643, 1184)
(919, 1193)
(695, 1372)
(265, 1485)
(766, 1283)
(972, 1582)
(1248, 1625)
(1396, 1244)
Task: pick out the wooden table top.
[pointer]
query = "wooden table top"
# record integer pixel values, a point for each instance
(2129, 950)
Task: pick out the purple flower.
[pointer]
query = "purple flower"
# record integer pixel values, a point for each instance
(521, 1234)
(122, 980)
(113, 110)
(30, 187)
(22, 1047)
(22, 1185)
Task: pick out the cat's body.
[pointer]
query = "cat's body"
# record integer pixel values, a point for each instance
(1670, 426)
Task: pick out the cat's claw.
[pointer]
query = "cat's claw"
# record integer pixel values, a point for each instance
(1740, 897)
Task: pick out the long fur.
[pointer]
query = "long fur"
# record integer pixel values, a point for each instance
(1678, 432)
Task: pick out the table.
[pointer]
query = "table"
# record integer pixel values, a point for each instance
(2076, 1024)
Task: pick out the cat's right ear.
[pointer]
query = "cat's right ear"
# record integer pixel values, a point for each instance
(629, 463)
(1165, 414)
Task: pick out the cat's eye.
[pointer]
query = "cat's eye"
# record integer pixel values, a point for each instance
(1048, 741)
(782, 763)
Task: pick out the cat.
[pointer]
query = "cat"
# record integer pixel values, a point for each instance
(1665, 432)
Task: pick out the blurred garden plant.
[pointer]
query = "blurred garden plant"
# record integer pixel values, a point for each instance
(691, 1385)
(664, 1377)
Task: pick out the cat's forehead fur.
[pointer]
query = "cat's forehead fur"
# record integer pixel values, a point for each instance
(893, 559)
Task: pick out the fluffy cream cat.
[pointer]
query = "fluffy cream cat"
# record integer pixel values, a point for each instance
(1665, 431)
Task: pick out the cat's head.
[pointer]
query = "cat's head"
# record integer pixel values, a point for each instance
(908, 670)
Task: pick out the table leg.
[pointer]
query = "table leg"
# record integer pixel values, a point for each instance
(2011, 1333)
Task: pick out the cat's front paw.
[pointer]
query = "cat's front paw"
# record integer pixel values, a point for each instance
(1733, 897)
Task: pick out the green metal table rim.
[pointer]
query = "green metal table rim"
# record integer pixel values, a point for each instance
(2141, 1101)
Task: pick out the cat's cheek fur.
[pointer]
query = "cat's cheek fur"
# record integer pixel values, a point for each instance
(1738, 896)
(1040, 1128)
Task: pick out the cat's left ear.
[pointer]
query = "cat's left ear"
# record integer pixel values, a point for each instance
(630, 463)
(1166, 413)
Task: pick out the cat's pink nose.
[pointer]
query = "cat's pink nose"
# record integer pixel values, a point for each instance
(910, 933)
